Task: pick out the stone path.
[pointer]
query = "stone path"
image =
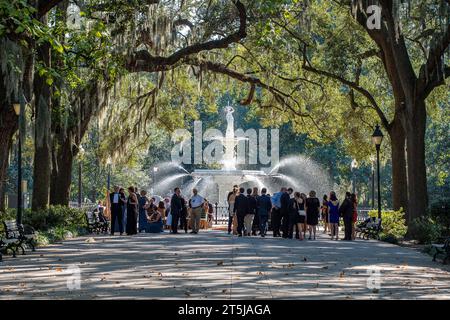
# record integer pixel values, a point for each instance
(214, 265)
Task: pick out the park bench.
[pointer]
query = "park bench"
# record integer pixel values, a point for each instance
(442, 249)
(370, 228)
(103, 222)
(96, 222)
(17, 236)
(92, 223)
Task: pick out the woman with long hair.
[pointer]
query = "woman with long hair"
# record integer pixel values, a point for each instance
(298, 220)
(312, 213)
(154, 219)
(302, 216)
(324, 211)
(333, 209)
(132, 212)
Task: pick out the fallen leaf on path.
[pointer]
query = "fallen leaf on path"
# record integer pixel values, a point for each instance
(58, 269)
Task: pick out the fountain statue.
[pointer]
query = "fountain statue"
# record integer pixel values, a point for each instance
(230, 141)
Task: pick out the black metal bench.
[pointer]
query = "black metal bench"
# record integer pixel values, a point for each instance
(11, 238)
(96, 222)
(442, 249)
(370, 228)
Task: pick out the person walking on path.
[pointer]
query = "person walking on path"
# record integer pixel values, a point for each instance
(241, 207)
(132, 212)
(176, 206)
(232, 219)
(312, 213)
(333, 209)
(196, 203)
(264, 205)
(346, 211)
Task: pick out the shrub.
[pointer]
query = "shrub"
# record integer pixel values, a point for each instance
(54, 216)
(54, 224)
(393, 223)
(425, 230)
(440, 213)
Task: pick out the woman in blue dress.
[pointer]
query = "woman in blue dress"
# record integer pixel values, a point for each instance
(143, 200)
(333, 209)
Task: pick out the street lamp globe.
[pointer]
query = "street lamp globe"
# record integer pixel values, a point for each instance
(377, 136)
(354, 164)
(155, 169)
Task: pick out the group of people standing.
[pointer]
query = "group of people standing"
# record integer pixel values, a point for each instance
(291, 213)
(144, 214)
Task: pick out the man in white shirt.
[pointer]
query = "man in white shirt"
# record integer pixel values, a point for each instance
(196, 203)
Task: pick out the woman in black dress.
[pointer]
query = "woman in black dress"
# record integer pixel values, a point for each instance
(132, 212)
(302, 216)
(312, 213)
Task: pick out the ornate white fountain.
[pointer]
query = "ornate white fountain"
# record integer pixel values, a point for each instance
(228, 175)
(296, 171)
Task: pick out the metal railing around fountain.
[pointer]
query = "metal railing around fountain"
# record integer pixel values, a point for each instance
(221, 214)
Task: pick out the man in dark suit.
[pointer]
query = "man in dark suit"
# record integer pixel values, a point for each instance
(284, 210)
(346, 212)
(264, 205)
(176, 207)
(241, 207)
(116, 201)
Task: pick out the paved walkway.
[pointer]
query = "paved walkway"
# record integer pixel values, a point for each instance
(213, 265)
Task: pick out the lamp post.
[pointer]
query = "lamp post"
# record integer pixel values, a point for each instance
(377, 138)
(80, 168)
(108, 181)
(372, 160)
(19, 109)
(354, 166)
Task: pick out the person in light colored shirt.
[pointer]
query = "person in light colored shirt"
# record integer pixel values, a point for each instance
(196, 204)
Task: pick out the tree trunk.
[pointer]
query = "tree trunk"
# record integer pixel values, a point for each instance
(417, 176)
(61, 178)
(42, 156)
(8, 125)
(399, 177)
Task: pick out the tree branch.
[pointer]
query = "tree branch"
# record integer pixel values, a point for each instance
(352, 85)
(144, 61)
